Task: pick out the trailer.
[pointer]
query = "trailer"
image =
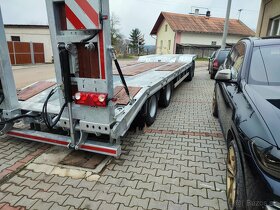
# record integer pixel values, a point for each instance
(91, 103)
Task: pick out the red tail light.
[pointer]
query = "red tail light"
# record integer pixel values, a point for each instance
(216, 64)
(91, 99)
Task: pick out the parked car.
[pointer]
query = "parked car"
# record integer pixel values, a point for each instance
(210, 60)
(247, 102)
(216, 61)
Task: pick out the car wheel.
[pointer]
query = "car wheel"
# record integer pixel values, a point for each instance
(214, 105)
(165, 95)
(191, 73)
(235, 179)
(152, 110)
(212, 75)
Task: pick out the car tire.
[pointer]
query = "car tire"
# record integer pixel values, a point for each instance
(191, 74)
(212, 76)
(214, 105)
(152, 108)
(235, 190)
(165, 95)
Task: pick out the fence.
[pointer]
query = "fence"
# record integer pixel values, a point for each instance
(26, 53)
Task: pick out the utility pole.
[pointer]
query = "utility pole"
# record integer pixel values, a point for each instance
(226, 25)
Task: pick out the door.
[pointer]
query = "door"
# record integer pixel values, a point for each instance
(226, 90)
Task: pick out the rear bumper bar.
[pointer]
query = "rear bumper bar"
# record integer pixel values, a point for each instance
(59, 140)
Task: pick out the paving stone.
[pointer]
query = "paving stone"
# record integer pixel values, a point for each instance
(58, 198)
(155, 204)
(162, 187)
(106, 206)
(89, 204)
(28, 192)
(11, 199)
(173, 206)
(58, 188)
(73, 201)
(208, 202)
(43, 186)
(88, 194)
(72, 182)
(57, 179)
(117, 189)
(151, 194)
(121, 199)
(43, 195)
(58, 207)
(102, 196)
(26, 202)
(15, 189)
(102, 187)
(145, 185)
(44, 177)
(174, 197)
(17, 179)
(134, 192)
(139, 202)
(41, 205)
(185, 199)
(129, 183)
(86, 184)
(72, 191)
(30, 183)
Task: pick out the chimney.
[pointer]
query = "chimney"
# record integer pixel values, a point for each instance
(196, 12)
(208, 14)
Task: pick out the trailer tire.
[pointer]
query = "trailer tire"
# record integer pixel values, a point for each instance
(191, 73)
(151, 110)
(165, 95)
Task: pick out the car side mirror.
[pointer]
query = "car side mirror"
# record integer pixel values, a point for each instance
(223, 75)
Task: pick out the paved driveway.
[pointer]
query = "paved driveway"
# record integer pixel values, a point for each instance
(178, 163)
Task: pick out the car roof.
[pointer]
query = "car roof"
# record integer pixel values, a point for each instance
(265, 41)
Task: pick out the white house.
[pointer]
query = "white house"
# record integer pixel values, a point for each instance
(181, 33)
(31, 33)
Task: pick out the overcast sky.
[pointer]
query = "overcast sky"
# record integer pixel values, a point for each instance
(140, 14)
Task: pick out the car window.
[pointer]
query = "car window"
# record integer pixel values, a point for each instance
(213, 54)
(265, 65)
(257, 74)
(222, 55)
(235, 59)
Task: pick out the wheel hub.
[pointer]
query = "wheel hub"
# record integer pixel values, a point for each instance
(168, 92)
(231, 177)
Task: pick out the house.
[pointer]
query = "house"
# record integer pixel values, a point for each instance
(31, 33)
(269, 18)
(201, 35)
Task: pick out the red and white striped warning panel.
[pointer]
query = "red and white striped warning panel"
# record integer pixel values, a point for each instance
(82, 14)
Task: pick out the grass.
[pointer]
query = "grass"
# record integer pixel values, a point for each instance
(202, 59)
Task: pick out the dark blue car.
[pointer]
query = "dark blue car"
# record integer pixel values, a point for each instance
(247, 102)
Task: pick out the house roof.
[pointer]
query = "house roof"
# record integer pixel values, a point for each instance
(201, 24)
(26, 26)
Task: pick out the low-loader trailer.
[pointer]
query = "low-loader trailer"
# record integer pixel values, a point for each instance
(93, 101)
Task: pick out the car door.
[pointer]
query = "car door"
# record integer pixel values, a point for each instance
(226, 90)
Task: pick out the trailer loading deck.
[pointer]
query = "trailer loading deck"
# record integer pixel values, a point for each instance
(90, 105)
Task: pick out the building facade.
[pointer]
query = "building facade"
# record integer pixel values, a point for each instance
(201, 35)
(31, 33)
(269, 18)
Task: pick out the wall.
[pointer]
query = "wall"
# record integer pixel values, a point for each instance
(269, 9)
(33, 35)
(206, 39)
(165, 36)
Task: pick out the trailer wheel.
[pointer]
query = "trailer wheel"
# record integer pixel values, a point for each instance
(165, 95)
(151, 110)
(191, 73)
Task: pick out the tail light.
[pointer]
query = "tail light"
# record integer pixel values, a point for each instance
(91, 99)
(216, 64)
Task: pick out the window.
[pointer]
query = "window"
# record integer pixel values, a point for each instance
(161, 44)
(15, 38)
(214, 43)
(169, 44)
(235, 59)
(265, 60)
(166, 27)
(275, 27)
